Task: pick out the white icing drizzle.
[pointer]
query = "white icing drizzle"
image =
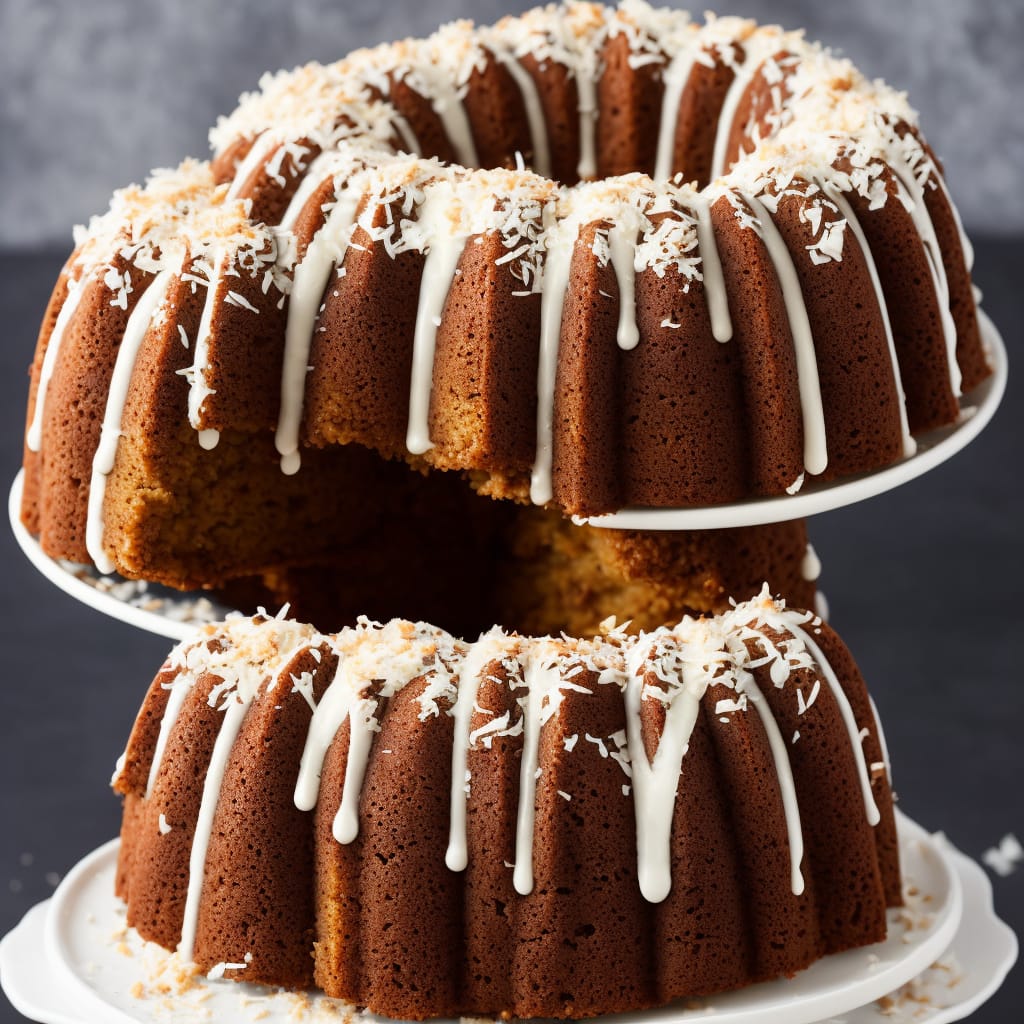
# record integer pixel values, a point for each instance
(330, 712)
(835, 194)
(175, 701)
(811, 406)
(881, 739)
(326, 251)
(711, 269)
(237, 694)
(487, 649)
(677, 74)
(76, 288)
(448, 107)
(198, 390)
(655, 783)
(727, 116)
(362, 726)
(347, 697)
(965, 242)
(318, 172)
(622, 245)
(408, 136)
(540, 677)
(850, 722)
(913, 199)
(541, 162)
(110, 431)
(552, 302)
(586, 90)
(258, 153)
(226, 736)
(446, 246)
(784, 775)
(810, 564)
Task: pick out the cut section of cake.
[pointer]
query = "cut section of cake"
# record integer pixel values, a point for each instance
(733, 269)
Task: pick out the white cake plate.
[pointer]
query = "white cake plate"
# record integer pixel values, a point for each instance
(933, 448)
(72, 961)
(170, 613)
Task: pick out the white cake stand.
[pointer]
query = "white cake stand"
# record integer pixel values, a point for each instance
(170, 613)
(72, 961)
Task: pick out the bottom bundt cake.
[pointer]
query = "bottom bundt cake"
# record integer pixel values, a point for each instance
(515, 826)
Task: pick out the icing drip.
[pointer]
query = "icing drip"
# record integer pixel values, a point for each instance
(856, 739)
(811, 407)
(711, 268)
(586, 88)
(481, 654)
(175, 702)
(439, 269)
(556, 284)
(541, 678)
(677, 74)
(909, 444)
(881, 739)
(810, 565)
(541, 162)
(409, 141)
(34, 436)
(727, 117)
(655, 782)
(318, 172)
(915, 204)
(784, 775)
(965, 242)
(330, 713)
(226, 736)
(347, 697)
(362, 727)
(198, 390)
(259, 151)
(448, 106)
(110, 431)
(312, 276)
(622, 245)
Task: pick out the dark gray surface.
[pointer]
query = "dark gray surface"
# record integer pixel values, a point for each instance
(96, 93)
(925, 584)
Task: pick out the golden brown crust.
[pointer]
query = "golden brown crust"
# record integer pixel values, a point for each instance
(629, 111)
(696, 124)
(497, 116)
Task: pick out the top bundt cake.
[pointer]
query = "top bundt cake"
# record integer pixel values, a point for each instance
(733, 268)
(526, 827)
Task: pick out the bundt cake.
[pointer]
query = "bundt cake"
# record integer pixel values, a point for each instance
(733, 268)
(516, 826)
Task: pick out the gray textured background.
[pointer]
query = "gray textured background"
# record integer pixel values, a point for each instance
(93, 94)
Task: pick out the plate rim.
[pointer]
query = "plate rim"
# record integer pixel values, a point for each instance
(943, 852)
(87, 593)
